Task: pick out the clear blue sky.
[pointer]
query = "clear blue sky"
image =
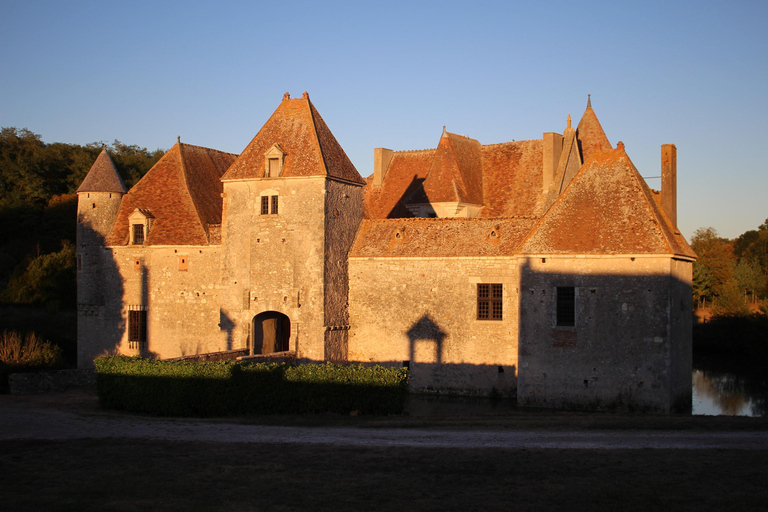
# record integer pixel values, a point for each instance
(391, 74)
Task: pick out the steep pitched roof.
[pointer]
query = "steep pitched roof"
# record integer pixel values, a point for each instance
(455, 174)
(103, 176)
(590, 133)
(606, 209)
(182, 191)
(451, 237)
(512, 176)
(405, 174)
(309, 146)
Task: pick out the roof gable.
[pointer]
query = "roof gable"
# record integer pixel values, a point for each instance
(606, 209)
(182, 191)
(309, 147)
(103, 176)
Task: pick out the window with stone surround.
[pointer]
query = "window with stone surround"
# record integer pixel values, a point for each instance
(269, 205)
(566, 306)
(138, 234)
(137, 326)
(490, 301)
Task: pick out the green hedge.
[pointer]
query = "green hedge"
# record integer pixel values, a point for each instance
(221, 388)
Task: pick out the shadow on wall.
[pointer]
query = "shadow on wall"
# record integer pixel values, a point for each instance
(429, 373)
(605, 340)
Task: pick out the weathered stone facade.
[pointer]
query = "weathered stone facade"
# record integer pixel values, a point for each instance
(545, 268)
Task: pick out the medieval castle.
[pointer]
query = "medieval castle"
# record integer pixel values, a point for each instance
(546, 268)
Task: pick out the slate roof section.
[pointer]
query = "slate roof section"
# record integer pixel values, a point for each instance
(590, 133)
(182, 191)
(103, 176)
(439, 238)
(606, 209)
(309, 146)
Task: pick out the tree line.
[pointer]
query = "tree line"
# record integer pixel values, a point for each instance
(730, 275)
(38, 206)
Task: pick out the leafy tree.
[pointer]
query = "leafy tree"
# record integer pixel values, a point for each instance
(716, 256)
(49, 279)
(749, 277)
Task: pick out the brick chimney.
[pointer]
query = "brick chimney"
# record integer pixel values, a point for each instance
(381, 159)
(553, 146)
(669, 181)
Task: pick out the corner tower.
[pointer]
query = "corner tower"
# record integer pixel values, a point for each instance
(292, 205)
(98, 203)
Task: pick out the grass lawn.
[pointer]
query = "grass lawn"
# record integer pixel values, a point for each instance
(129, 475)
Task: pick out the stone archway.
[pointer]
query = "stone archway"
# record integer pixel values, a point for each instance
(271, 332)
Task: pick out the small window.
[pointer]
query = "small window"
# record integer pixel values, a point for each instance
(273, 170)
(566, 306)
(137, 327)
(138, 234)
(274, 205)
(183, 263)
(490, 301)
(264, 205)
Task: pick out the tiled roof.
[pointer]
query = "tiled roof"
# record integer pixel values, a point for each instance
(606, 209)
(405, 175)
(455, 174)
(512, 179)
(309, 146)
(183, 193)
(439, 237)
(103, 176)
(590, 133)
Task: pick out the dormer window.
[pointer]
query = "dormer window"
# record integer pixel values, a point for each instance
(138, 234)
(139, 222)
(273, 162)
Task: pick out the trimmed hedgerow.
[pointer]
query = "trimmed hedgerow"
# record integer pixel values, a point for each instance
(221, 388)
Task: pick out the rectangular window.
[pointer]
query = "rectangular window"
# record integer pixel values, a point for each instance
(489, 301)
(264, 205)
(138, 234)
(566, 306)
(274, 205)
(274, 168)
(137, 327)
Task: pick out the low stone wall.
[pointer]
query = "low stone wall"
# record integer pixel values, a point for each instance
(42, 382)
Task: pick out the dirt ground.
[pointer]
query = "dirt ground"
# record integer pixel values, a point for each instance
(62, 452)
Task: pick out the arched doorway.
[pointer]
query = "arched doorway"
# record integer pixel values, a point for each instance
(271, 332)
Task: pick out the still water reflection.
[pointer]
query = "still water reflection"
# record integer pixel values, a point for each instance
(728, 394)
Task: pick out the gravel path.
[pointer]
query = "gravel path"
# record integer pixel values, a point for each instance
(57, 418)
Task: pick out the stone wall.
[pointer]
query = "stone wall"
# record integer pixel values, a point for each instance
(42, 382)
(619, 352)
(423, 311)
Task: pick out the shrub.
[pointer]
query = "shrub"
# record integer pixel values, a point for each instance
(26, 354)
(184, 388)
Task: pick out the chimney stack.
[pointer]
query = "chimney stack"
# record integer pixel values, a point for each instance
(669, 181)
(553, 146)
(381, 159)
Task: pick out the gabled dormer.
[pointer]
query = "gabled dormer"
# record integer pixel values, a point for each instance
(274, 159)
(139, 224)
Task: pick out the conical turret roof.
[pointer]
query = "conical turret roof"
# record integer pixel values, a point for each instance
(590, 133)
(103, 176)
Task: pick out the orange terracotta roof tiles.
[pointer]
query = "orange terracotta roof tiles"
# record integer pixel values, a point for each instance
(309, 146)
(512, 179)
(590, 134)
(439, 237)
(455, 174)
(606, 209)
(405, 175)
(182, 191)
(103, 176)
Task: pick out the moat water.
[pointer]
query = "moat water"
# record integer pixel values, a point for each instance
(717, 393)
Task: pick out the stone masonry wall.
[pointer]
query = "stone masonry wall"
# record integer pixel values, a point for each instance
(343, 213)
(424, 311)
(619, 352)
(275, 262)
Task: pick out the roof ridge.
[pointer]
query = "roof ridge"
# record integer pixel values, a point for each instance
(210, 149)
(415, 150)
(453, 219)
(316, 138)
(185, 174)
